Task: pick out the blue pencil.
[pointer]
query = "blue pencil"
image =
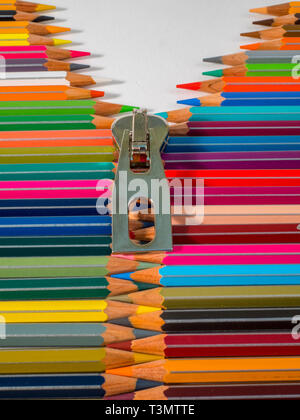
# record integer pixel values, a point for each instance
(224, 101)
(206, 281)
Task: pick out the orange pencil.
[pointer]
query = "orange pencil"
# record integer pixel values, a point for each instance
(279, 9)
(21, 27)
(268, 369)
(46, 93)
(277, 44)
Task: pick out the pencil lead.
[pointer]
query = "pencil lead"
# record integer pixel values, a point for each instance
(57, 41)
(265, 22)
(121, 298)
(139, 334)
(255, 34)
(190, 102)
(122, 322)
(76, 66)
(42, 7)
(251, 46)
(146, 384)
(123, 276)
(96, 94)
(260, 10)
(78, 54)
(57, 29)
(43, 18)
(217, 60)
(190, 86)
(213, 73)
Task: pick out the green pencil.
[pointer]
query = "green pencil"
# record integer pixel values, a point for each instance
(63, 107)
(59, 122)
(65, 288)
(255, 70)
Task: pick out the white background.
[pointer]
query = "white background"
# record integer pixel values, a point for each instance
(149, 46)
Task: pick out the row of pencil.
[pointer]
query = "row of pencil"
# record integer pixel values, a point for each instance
(228, 294)
(55, 246)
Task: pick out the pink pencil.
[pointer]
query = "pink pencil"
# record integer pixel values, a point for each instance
(54, 189)
(40, 51)
(190, 250)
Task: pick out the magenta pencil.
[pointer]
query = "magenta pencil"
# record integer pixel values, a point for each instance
(52, 189)
(40, 51)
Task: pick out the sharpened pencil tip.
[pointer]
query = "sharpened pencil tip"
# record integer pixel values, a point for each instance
(40, 19)
(260, 10)
(265, 22)
(144, 384)
(57, 41)
(96, 93)
(75, 66)
(123, 276)
(78, 54)
(190, 102)
(217, 60)
(255, 34)
(251, 47)
(42, 7)
(213, 73)
(57, 29)
(190, 86)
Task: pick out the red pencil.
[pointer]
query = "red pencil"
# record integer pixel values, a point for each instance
(214, 345)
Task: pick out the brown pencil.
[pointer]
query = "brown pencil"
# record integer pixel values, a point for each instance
(286, 31)
(280, 21)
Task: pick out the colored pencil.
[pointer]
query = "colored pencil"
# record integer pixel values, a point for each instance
(245, 99)
(240, 160)
(184, 346)
(64, 288)
(245, 84)
(292, 19)
(25, 6)
(45, 267)
(64, 311)
(64, 138)
(210, 280)
(93, 385)
(230, 144)
(255, 70)
(278, 44)
(285, 31)
(68, 335)
(279, 9)
(39, 64)
(199, 114)
(213, 321)
(46, 93)
(255, 391)
(239, 128)
(15, 40)
(180, 252)
(235, 178)
(40, 51)
(212, 370)
(219, 296)
(253, 57)
(56, 171)
(64, 360)
(185, 235)
(56, 122)
(48, 78)
(29, 28)
(52, 246)
(16, 16)
(71, 105)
